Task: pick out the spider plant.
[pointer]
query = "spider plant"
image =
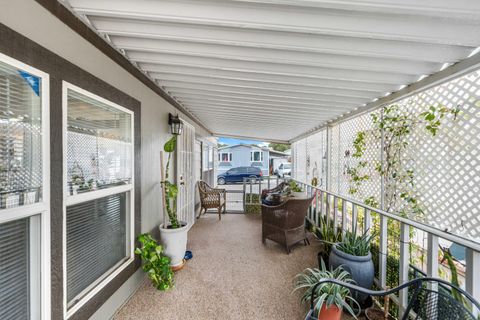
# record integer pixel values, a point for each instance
(326, 233)
(326, 294)
(356, 245)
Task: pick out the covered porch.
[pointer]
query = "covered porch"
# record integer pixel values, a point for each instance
(231, 276)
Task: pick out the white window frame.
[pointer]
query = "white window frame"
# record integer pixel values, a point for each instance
(70, 200)
(40, 212)
(229, 157)
(252, 157)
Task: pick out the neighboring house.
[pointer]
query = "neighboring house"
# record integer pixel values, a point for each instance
(243, 155)
(277, 157)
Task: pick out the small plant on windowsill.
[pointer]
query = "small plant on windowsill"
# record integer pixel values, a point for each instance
(155, 263)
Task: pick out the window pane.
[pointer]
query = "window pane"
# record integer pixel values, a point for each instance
(96, 242)
(14, 270)
(99, 153)
(20, 137)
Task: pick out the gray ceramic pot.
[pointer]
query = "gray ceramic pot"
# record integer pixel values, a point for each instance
(360, 268)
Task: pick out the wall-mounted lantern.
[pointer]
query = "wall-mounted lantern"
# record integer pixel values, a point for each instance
(176, 125)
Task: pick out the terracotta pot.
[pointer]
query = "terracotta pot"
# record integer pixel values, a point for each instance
(330, 313)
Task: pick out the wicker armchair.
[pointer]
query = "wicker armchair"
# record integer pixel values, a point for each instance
(212, 198)
(428, 298)
(277, 189)
(285, 223)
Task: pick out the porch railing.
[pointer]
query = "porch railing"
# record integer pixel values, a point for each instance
(348, 214)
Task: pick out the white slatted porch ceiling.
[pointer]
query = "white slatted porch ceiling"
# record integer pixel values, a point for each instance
(275, 69)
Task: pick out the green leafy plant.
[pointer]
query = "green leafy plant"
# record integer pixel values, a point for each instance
(156, 264)
(327, 234)
(171, 189)
(356, 245)
(294, 187)
(327, 294)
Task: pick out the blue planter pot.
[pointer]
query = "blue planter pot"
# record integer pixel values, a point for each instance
(360, 268)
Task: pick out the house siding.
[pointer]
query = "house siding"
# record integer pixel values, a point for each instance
(241, 158)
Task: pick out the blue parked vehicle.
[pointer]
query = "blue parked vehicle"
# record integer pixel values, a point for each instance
(237, 174)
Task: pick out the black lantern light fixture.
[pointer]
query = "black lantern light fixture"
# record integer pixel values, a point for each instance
(176, 125)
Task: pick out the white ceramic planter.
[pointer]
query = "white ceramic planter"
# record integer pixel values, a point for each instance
(174, 242)
(299, 194)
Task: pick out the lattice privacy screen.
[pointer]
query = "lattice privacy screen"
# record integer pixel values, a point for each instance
(445, 167)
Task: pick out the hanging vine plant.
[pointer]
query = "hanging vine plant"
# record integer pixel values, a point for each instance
(396, 124)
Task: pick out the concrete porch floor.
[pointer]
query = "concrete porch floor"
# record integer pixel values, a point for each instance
(232, 276)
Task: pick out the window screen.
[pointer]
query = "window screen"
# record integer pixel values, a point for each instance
(20, 137)
(14, 270)
(96, 242)
(99, 143)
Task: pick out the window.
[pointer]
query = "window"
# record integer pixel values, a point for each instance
(256, 156)
(99, 201)
(225, 156)
(24, 182)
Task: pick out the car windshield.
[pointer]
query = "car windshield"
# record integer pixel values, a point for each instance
(286, 166)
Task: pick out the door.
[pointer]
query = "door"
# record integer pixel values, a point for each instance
(185, 173)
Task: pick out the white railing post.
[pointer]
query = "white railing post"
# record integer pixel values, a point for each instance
(328, 164)
(344, 217)
(317, 211)
(367, 221)
(432, 271)
(383, 251)
(335, 215)
(354, 218)
(432, 257)
(472, 273)
(404, 265)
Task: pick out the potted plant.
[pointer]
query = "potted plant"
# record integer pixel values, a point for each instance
(330, 299)
(173, 233)
(296, 190)
(155, 263)
(353, 253)
(328, 236)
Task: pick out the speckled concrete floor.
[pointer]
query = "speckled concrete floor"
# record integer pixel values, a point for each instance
(232, 276)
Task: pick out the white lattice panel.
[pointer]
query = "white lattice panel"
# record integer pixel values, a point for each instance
(316, 161)
(300, 160)
(447, 166)
(343, 160)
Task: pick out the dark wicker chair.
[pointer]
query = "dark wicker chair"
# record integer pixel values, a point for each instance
(429, 298)
(212, 198)
(277, 189)
(285, 223)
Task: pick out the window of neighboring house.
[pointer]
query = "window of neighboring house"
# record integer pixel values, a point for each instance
(24, 192)
(225, 157)
(99, 178)
(256, 156)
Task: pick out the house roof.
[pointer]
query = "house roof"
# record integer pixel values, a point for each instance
(244, 145)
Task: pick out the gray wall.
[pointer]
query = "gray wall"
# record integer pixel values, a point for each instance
(31, 20)
(241, 158)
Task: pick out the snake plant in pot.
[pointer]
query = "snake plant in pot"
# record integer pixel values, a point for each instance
(173, 233)
(353, 254)
(329, 299)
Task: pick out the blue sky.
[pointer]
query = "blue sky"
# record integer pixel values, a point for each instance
(232, 141)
